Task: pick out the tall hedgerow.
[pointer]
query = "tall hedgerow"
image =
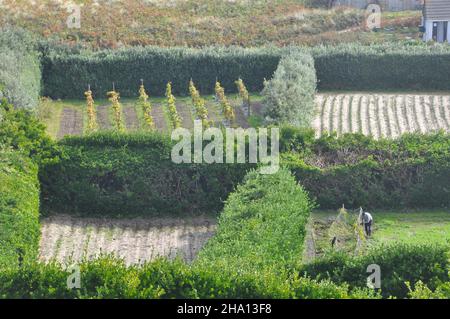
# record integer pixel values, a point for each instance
(175, 119)
(243, 94)
(90, 108)
(289, 95)
(114, 97)
(227, 109)
(199, 105)
(146, 107)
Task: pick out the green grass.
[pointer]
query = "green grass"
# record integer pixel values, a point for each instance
(413, 227)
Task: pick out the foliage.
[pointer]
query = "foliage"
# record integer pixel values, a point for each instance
(399, 263)
(117, 174)
(108, 277)
(382, 67)
(158, 66)
(227, 109)
(22, 131)
(289, 95)
(20, 70)
(262, 227)
(90, 108)
(146, 107)
(199, 105)
(175, 119)
(19, 209)
(355, 170)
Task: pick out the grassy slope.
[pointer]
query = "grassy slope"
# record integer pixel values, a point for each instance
(205, 22)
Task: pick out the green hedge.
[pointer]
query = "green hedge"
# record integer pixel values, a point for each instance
(20, 69)
(19, 209)
(259, 242)
(109, 278)
(119, 174)
(399, 264)
(67, 73)
(396, 66)
(262, 226)
(412, 171)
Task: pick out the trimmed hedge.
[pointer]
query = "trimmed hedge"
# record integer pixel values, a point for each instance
(20, 69)
(416, 66)
(19, 209)
(399, 264)
(119, 174)
(262, 226)
(412, 171)
(260, 238)
(66, 73)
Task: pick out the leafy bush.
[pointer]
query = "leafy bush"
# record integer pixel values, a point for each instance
(399, 264)
(20, 73)
(116, 174)
(289, 95)
(19, 209)
(107, 277)
(262, 227)
(22, 131)
(382, 67)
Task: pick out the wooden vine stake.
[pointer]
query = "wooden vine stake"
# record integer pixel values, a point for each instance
(199, 105)
(174, 117)
(227, 109)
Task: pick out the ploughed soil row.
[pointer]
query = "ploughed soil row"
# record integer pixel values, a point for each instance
(381, 115)
(71, 239)
(131, 118)
(159, 119)
(104, 122)
(71, 123)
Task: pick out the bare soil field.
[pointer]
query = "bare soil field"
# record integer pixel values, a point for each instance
(159, 119)
(381, 115)
(66, 238)
(131, 119)
(71, 123)
(104, 122)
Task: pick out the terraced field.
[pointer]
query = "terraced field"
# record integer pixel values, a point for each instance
(381, 115)
(136, 240)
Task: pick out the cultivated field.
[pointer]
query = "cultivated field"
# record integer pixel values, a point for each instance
(414, 227)
(381, 115)
(66, 238)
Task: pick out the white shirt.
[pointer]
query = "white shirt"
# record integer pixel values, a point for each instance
(367, 218)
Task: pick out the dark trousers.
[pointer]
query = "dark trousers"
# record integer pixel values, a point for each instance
(368, 228)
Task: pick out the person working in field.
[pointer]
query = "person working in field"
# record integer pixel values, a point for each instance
(367, 220)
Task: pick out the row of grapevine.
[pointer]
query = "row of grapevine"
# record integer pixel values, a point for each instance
(143, 103)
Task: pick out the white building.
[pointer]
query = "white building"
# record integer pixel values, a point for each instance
(386, 5)
(436, 20)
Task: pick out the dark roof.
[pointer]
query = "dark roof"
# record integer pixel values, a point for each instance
(437, 9)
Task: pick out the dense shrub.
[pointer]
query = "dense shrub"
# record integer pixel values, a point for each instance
(399, 264)
(20, 72)
(107, 277)
(412, 171)
(116, 174)
(19, 209)
(262, 225)
(289, 95)
(383, 67)
(157, 66)
(22, 131)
